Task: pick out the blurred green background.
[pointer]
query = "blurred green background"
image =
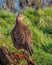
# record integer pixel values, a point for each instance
(40, 23)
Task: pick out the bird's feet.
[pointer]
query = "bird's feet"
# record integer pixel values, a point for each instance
(23, 51)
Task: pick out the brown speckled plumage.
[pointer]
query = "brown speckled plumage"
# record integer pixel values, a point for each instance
(22, 36)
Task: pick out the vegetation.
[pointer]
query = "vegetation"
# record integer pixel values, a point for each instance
(40, 23)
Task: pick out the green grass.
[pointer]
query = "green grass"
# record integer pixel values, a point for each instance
(40, 23)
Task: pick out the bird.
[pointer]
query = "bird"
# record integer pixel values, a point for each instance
(21, 35)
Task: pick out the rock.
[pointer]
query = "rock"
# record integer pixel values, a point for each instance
(7, 58)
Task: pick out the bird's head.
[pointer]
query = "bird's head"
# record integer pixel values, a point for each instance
(20, 17)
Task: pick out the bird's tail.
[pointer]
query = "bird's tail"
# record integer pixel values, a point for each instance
(29, 48)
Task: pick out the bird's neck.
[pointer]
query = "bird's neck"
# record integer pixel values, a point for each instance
(20, 23)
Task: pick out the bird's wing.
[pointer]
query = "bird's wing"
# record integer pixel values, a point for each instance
(19, 36)
(28, 35)
(28, 41)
